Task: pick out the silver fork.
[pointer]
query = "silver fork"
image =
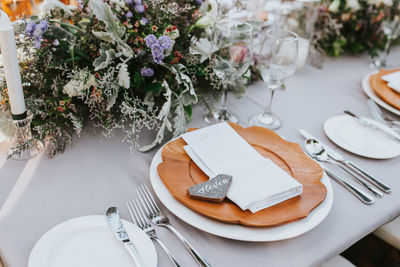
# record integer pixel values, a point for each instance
(160, 219)
(140, 219)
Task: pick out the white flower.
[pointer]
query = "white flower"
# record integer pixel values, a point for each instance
(334, 6)
(74, 88)
(48, 5)
(118, 4)
(202, 47)
(173, 34)
(204, 22)
(123, 76)
(354, 5)
(91, 81)
(387, 2)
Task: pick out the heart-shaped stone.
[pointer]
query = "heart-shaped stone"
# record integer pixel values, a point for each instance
(214, 189)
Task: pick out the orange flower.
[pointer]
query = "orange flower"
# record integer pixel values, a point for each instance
(155, 28)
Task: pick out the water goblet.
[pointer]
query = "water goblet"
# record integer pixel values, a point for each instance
(230, 56)
(391, 29)
(276, 61)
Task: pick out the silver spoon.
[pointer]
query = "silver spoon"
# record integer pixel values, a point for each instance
(361, 195)
(317, 149)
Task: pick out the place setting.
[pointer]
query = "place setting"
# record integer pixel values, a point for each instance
(138, 72)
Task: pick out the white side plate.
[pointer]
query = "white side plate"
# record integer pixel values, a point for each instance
(371, 94)
(234, 231)
(350, 135)
(88, 242)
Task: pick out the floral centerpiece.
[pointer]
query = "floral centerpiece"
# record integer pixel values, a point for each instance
(114, 64)
(351, 25)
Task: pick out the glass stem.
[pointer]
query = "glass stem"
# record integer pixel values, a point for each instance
(223, 108)
(386, 50)
(271, 92)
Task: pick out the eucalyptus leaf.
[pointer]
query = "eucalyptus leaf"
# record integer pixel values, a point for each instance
(104, 13)
(105, 58)
(104, 36)
(163, 116)
(180, 118)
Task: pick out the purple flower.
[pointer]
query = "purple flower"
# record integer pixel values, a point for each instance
(147, 72)
(139, 8)
(138, 2)
(150, 40)
(129, 15)
(157, 52)
(165, 42)
(30, 28)
(43, 25)
(199, 2)
(140, 53)
(37, 43)
(144, 21)
(129, 2)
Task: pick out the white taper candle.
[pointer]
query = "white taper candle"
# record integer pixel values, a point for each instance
(11, 66)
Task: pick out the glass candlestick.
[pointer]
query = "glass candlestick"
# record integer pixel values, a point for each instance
(24, 146)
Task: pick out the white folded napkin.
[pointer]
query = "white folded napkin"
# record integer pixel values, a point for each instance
(257, 182)
(393, 80)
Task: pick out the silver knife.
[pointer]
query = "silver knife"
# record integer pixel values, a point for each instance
(114, 221)
(340, 158)
(370, 125)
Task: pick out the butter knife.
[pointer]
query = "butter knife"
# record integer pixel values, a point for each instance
(114, 221)
(370, 125)
(340, 158)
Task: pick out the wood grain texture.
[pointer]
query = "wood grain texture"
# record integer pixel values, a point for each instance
(179, 172)
(381, 88)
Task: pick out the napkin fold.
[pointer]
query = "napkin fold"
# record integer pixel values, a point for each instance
(393, 80)
(257, 182)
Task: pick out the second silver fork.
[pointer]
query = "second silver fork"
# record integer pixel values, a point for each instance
(138, 217)
(160, 219)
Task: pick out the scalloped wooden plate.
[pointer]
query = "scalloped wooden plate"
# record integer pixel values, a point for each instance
(381, 88)
(178, 172)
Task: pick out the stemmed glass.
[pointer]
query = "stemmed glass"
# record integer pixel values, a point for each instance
(391, 28)
(276, 61)
(230, 56)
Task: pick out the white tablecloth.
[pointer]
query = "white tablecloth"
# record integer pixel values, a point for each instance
(92, 176)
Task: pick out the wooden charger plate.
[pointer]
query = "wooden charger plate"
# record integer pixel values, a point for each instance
(178, 172)
(381, 88)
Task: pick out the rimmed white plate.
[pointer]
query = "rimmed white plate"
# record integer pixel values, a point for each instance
(350, 135)
(88, 242)
(234, 231)
(371, 94)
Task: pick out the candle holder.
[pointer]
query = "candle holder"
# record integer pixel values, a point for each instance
(24, 146)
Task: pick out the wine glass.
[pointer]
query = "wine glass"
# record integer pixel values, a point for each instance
(276, 61)
(391, 28)
(230, 56)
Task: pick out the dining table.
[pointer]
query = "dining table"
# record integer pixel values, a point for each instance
(95, 173)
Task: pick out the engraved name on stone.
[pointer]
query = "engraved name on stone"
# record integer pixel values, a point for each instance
(214, 189)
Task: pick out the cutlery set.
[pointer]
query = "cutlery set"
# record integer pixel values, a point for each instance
(144, 212)
(323, 153)
(379, 116)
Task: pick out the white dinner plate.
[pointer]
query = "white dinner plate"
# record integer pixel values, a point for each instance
(350, 135)
(88, 242)
(235, 231)
(371, 94)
